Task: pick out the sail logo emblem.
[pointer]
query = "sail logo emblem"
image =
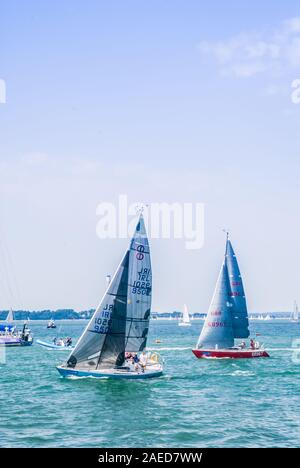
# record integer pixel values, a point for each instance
(140, 254)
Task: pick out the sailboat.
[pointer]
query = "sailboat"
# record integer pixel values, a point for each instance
(10, 336)
(227, 316)
(295, 313)
(119, 326)
(7, 326)
(10, 316)
(185, 320)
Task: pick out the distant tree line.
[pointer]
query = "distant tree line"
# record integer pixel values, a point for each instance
(59, 314)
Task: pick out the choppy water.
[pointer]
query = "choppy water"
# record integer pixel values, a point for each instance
(198, 403)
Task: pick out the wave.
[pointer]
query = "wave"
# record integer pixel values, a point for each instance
(170, 348)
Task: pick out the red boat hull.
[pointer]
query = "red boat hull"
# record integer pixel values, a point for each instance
(230, 353)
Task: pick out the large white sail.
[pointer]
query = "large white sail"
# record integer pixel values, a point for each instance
(295, 314)
(239, 311)
(217, 331)
(139, 290)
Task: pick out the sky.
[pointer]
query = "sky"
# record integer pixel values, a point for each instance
(174, 101)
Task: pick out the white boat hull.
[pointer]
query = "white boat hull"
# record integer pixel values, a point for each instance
(151, 372)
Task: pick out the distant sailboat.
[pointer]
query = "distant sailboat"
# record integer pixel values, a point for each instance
(120, 323)
(268, 317)
(295, 313)
(10, 316)
(7, 325)
(185, 320)
(51, 324)
(227, 317)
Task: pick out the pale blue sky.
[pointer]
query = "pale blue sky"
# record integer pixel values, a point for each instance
(163, 101)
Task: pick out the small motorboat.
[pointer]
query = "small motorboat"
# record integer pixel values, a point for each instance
(59, 345)
(51, 324)
(227, 317)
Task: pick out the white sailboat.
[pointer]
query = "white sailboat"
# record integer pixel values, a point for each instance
(268, 317)
(118, 329)
(295, 313)
(10, 336)
(10, 316)
(185, 319)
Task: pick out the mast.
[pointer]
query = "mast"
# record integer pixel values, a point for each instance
(295, 315)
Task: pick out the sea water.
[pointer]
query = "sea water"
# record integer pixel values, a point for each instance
(197, 403)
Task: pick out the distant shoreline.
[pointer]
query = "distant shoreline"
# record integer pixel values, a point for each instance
(71, 315)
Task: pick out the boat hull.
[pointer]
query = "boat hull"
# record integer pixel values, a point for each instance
(110, 373)
(182, 324)
(13, 342)
(230, 353)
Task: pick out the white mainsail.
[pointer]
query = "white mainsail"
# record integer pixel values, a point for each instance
(10, 316)
(295, 313)
(185, 319)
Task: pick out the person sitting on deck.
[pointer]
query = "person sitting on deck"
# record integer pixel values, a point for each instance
(135, 361)
(143, 361)
(242, 345)
(252, 344)
(68, 341)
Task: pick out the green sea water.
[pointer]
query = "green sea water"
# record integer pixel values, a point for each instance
(197, 403)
